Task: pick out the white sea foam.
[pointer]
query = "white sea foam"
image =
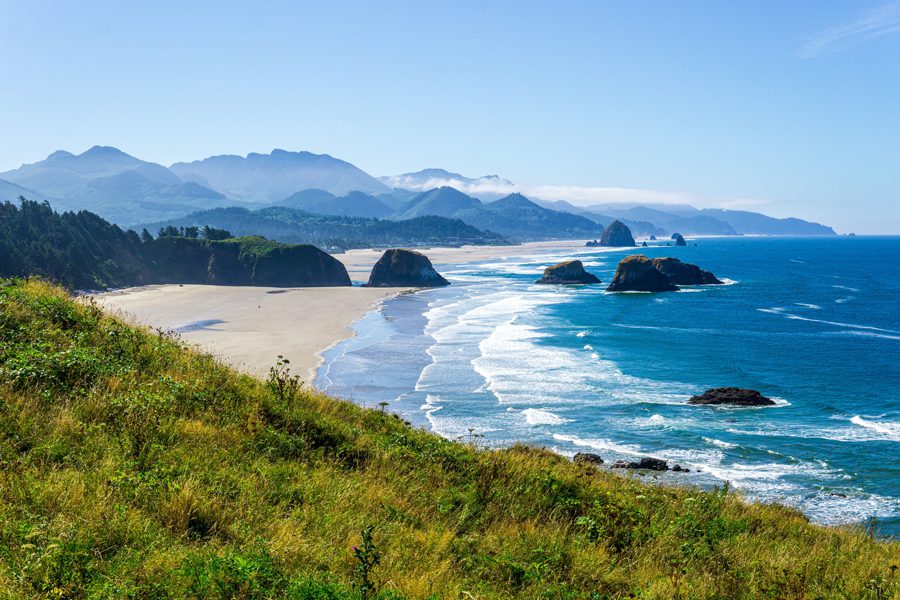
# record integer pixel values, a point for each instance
(582, 334)
(846, 287)
(653, 421)
(779, 310)
(889, 430)
(882, 336)
(845, 299)
(537, 416)
(719, 443)
(809, 306)
(588, 347)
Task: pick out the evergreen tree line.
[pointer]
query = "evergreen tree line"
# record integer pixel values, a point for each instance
(80, 249)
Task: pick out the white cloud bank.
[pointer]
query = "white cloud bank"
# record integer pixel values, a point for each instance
(875, 23)
(578, 195)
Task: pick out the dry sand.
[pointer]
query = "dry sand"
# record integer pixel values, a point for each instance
(248, 327)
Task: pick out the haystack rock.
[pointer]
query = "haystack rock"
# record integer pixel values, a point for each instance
(636, 273)
(681, 273)
(731, 396)
(568, 272)
(679, 239)
(617, 234)
(404, 268)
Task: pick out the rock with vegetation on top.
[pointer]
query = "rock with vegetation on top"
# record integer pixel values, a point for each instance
(617, 234)
(731, 396)
(650, 464)
(568, 272)
(636, 273)
(679, 239)
(682, 273)
(404, 268)
(589, 458)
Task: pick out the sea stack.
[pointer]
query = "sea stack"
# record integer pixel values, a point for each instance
(568, 272)
(681, 273)
(404, 268)
(617, 234)
(679, 239)
(731, 396)
(636, 273)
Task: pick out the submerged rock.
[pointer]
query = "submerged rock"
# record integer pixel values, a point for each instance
(636, 273)
(617, 234)
(731, 396)
(681, 273)
(568, 272)
(651, 464)
(589, 458)
(401, 268)
(679, 239)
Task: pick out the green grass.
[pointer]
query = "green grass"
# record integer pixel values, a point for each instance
(133, 467)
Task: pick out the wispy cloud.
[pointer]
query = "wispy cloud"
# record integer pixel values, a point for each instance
(875, 23)
(578, 195)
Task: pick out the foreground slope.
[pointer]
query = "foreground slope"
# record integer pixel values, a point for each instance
(134, 467)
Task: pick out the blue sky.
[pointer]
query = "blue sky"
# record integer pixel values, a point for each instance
(790, 108)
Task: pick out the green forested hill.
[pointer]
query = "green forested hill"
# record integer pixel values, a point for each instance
(134, 467)
(330, 231)
(82, 251)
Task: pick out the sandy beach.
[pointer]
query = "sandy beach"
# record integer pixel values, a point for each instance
(248, 327)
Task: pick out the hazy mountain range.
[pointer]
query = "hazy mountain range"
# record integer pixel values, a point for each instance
(130, 191)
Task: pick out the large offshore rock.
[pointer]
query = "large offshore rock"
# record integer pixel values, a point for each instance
(617, 234)
(404, 268)
(636, 273)
(682, 273)
(568, 272)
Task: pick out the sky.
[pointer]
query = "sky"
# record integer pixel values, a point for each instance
(788, 108)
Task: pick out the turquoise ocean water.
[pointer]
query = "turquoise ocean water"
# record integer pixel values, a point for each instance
(811, 322)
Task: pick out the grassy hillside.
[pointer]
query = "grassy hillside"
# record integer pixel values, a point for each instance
(133, 467)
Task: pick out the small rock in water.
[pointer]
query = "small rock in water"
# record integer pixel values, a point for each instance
(652, 464)
(589, 458)
(681, 469)
(731, 396)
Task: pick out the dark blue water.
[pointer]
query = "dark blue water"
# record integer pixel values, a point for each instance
(813, 323)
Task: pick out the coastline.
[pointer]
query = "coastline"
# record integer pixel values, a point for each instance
(248, 327)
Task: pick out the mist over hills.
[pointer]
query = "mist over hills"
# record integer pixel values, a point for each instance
(275, 176)
(110, 183)
(129, 191)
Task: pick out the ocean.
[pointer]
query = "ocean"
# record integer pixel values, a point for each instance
(813, 323)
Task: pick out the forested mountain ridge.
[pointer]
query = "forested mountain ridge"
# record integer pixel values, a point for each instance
(338, 232)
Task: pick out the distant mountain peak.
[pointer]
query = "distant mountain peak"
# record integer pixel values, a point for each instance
(60, 154)
(273, 177)
(102, 151)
